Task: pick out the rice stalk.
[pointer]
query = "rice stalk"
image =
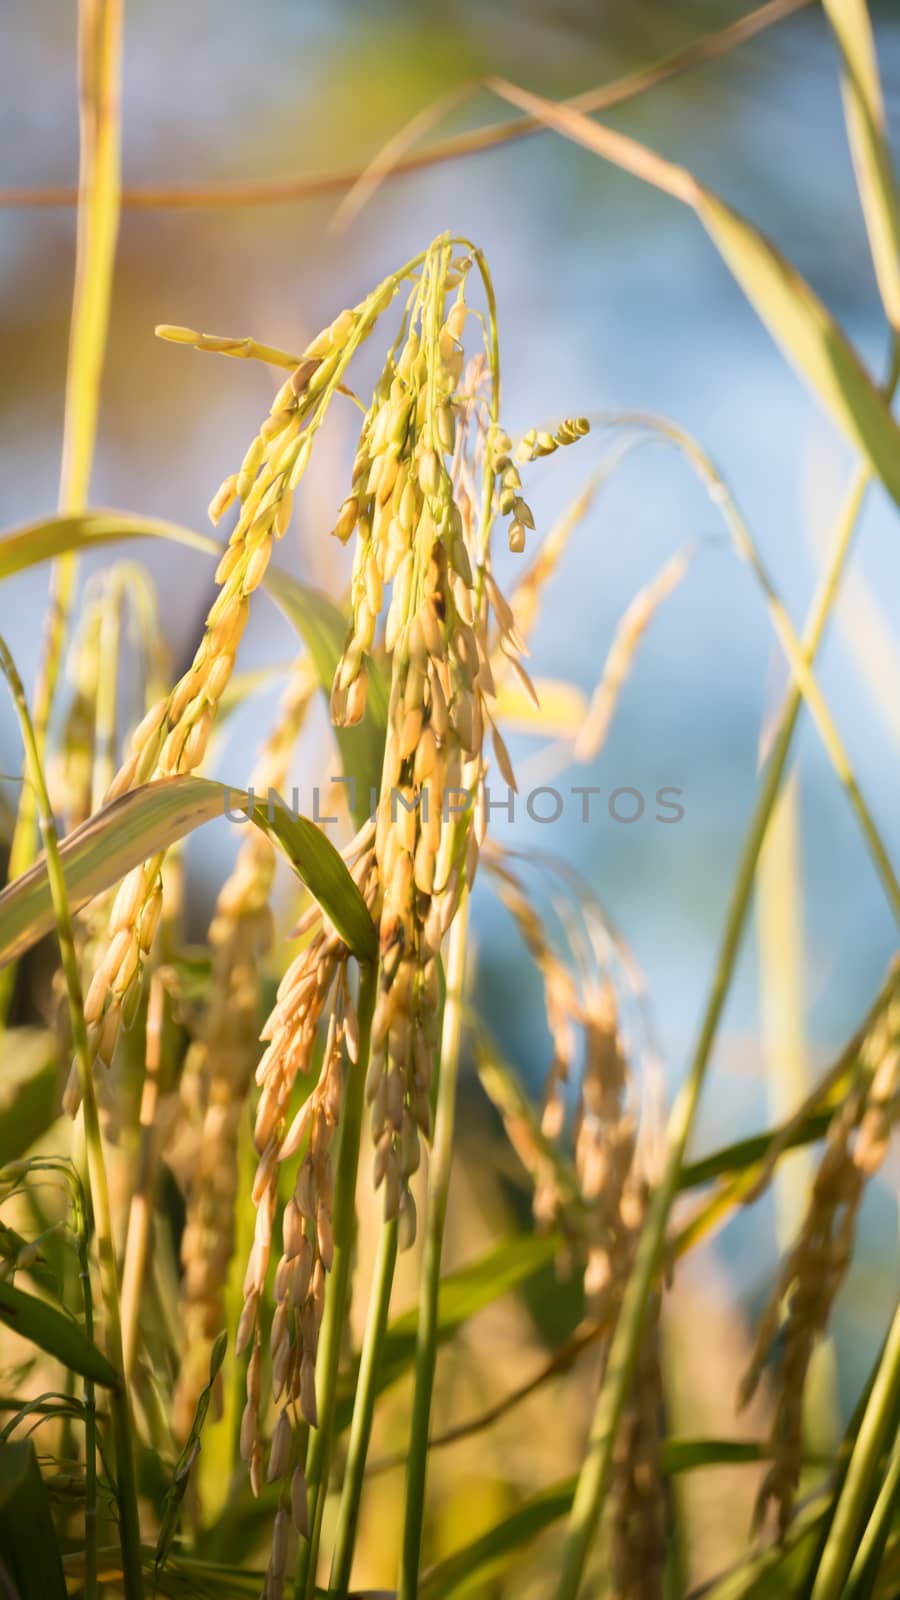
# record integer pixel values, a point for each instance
(98, 199)
(96, 1186)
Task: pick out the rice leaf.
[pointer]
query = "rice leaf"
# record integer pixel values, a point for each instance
(491, 1551)
(28, 1088)
(29, 1553)
(796, 318)
(864, 112)
(46, 1327)
(150, 819)
(808, 336)
(319, 622)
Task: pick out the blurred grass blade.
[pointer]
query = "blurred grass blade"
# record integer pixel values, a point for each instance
(859, 1489)
(808, 336)
(29, 1060)
(488, 1554)
(864, 111)
(281, 191)
(560, 713)
(861, 1582)
(46, 1327)
(462, 1295)
(181, 1476)
(29, 1552)
(320, 623)
(147, 820)
(798, 321)
(775, 1573)
(36, 542)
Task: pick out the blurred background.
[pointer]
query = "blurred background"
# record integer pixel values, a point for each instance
(611, 298)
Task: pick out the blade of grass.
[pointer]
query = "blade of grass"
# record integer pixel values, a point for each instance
(795, 317)
(623, 1355)
(96, 1184)
(859, 1486)
(781, 939)
(438, 1189)
(787, 637)
(320, 623)
(490, 1552)
(29, 1549)
(864, 112)
(864, 1571)
(150, 819)
(100, 70)
(50, 1330)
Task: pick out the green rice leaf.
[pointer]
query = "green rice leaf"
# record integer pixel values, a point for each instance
(46, 1327)
(29, 1551)
(808, 335)
(319, 622)
(28, 1088)
(151, 818)
(487, 1555)
(796, 318)
(467, 1570)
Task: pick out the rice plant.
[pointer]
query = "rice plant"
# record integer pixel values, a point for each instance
(229, 1168)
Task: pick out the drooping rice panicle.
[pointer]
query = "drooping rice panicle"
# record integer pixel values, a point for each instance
(221, 1062)
(173, 736)
(629, 632)
(428, 436)
(812, 1273)
(611, 1181)
(432, 469)
(315, 986)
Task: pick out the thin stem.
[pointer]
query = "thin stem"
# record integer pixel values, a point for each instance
(855, 1496)
(785, 633)
(364, 1408)
(871, 1546)
(98, 1191)
(426, 1335)
(100, 68)
(280, 191)
(625, 1346)
(337, 1301)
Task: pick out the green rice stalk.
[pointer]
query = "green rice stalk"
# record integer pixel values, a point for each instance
(100, 61)
(98, 1188)
(438, 1189)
